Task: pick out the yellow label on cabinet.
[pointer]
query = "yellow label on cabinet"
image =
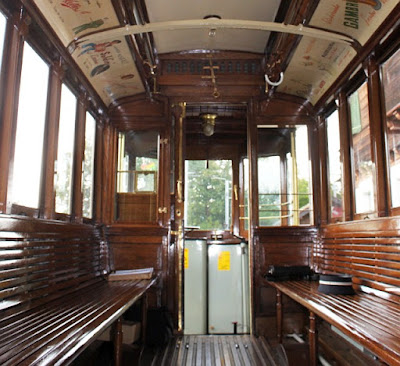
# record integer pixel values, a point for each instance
(224, 261)
(186, 258)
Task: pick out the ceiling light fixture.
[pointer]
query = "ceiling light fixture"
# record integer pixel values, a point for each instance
(208, 123)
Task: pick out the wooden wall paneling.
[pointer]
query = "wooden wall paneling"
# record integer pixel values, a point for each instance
(345, 157)
(142, 247)
(377, 125)
(110, 137)
(79, 151)
(9, 82)
(47, 196)
(321, 174)
(284, 109)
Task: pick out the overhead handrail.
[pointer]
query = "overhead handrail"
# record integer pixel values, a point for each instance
(213, 23)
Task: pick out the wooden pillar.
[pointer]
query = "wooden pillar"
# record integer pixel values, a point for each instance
(279, 315)
(321, 172)
(345, 157)
(377, 137)
(10, 77)
(313, 340)
(79, 151)
(118, 335)
(50, 145)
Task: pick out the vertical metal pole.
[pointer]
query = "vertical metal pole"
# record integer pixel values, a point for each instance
(179, 212)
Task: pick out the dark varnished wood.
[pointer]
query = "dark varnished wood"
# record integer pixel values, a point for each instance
(54, 298)
(370, 320)
(79, 152)
(10, 76)
(377, 136)
(142, 247)
(47, 195)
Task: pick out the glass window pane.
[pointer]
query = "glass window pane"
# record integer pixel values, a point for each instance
(284, 176)
(269, 190)
(304, 182)
(30, 130)
(137, 176)
(3, 23)
(66, 138)
(88, 166)
(208, 194)
(334, 167)
(363, 167)
(391, 81)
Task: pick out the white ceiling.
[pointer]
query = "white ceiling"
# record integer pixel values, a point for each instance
(225, 39)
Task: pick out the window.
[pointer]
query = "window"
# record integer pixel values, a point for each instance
(334, 167)
(269, 190)
(65, 153)
(363, 167)
(27, 168)
(88, 166)
(391, 80)
(3, 23)
(137, 176)
(208, 194)
(284, 177)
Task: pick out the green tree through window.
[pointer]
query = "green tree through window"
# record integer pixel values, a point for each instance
(208, 202)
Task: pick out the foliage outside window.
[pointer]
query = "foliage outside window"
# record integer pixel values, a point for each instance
(284, 177)
(363, 167)
(391, 81)
(30, 130)
(208, 194)
(3, 23)
(66, 138)
(334, 167)
(88, 166)
(137, 176)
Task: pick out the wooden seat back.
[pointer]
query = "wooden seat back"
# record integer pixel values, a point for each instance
(41, 261)
(369, 250)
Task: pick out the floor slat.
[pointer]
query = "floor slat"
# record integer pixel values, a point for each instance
(218, 350)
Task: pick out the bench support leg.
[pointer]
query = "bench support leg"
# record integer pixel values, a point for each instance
(118, 342)
(279, 315)
(313, 340)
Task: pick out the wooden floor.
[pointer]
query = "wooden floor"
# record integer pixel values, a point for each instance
(235, 350)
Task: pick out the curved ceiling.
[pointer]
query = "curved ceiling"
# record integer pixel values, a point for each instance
(123, 66)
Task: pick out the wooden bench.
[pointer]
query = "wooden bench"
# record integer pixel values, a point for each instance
(368, 250)
(369, 320)
(54, 296)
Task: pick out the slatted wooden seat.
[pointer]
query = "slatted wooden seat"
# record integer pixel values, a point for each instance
(370, 320)
(55, 299)
(370, 252)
